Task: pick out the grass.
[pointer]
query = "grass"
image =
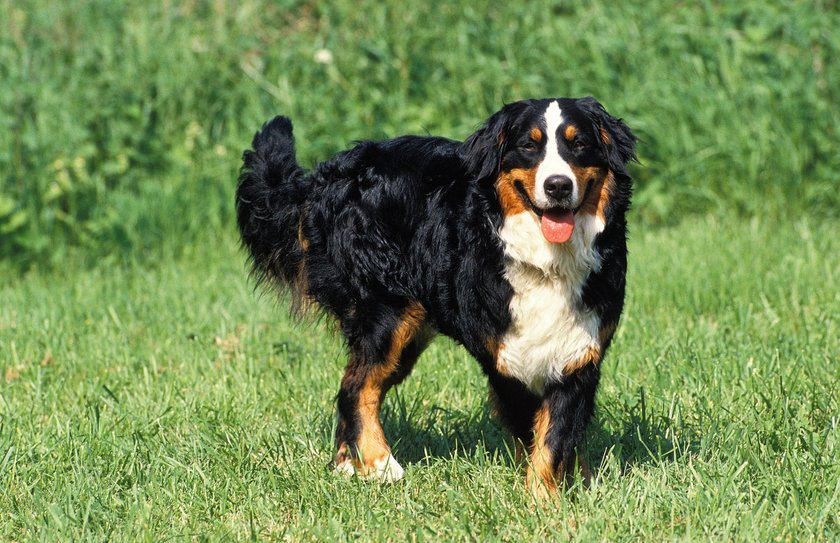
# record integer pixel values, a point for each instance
(165, 400)
(146, 393)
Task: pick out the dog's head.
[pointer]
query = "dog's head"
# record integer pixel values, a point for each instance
(556, 158)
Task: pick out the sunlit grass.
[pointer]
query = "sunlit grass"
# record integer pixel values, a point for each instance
(167, 399)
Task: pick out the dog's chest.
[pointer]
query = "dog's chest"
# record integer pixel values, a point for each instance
(550, 327)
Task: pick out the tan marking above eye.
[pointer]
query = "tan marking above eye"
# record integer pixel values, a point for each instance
(536, 134)
(570, 132)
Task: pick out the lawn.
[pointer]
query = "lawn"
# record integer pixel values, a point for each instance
(148, 392)
(166, 399)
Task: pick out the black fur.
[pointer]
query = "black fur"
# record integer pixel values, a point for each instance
(415, 220)
(269, 202)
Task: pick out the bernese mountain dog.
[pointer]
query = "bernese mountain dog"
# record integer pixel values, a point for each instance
(513, 243)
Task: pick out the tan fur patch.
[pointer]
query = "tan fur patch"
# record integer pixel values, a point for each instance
(591, 356)
(509, 197)
(372, 444)
(304, 243)
(300, 299)
(494, 346)
(570, 132)
(604, 195)
(536, 134)
(541, 477)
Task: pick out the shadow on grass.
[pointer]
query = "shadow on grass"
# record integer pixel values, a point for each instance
(635, 435)
(448, 433)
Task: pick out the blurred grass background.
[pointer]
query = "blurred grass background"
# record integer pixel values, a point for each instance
(122, 123)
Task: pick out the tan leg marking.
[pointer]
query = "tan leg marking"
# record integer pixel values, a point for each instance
(375, 460)
(541, 477)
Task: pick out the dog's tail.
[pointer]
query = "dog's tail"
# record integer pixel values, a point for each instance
(270, 202)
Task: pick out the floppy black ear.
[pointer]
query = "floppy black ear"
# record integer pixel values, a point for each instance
(616, 137)
(482, 151)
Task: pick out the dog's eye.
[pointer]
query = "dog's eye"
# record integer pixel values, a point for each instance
(579, 145)
(528, 146)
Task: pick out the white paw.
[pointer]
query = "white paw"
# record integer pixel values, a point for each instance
(386, 470)
(345, 468)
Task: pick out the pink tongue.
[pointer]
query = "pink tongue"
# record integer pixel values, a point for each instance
(557, 226)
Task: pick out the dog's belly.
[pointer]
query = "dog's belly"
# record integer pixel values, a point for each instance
(550, 330)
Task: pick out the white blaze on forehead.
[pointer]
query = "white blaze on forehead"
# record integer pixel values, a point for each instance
(552, 164)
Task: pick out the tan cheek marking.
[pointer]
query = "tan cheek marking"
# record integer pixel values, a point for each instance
(570, 132)
(509, 197)
(604, 195)
(536, 134)
(597, 176)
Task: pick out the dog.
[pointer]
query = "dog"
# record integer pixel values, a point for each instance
(512, 242)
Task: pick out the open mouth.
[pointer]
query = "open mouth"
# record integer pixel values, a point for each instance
(557, 223)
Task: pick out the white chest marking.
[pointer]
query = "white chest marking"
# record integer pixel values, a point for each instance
(550, 329)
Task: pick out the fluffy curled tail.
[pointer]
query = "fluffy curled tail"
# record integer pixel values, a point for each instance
(270, 200)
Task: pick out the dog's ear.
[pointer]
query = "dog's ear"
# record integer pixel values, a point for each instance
(482, 151)
(616, 138)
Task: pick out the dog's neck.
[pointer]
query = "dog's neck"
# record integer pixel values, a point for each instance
(525, 246)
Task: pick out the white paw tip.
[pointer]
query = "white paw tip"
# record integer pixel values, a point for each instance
(386, 470)
(345, 468)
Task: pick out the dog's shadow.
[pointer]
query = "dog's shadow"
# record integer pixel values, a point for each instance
(447, 433)
(632, 436)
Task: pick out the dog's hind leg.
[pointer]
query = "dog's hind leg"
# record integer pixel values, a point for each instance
(384, 344)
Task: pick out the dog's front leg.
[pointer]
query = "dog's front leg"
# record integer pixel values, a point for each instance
(559, 428)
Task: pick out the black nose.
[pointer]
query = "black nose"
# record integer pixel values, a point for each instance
(558, 186)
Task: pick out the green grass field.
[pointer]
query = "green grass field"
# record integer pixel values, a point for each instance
(158, 401)
(147, 392)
